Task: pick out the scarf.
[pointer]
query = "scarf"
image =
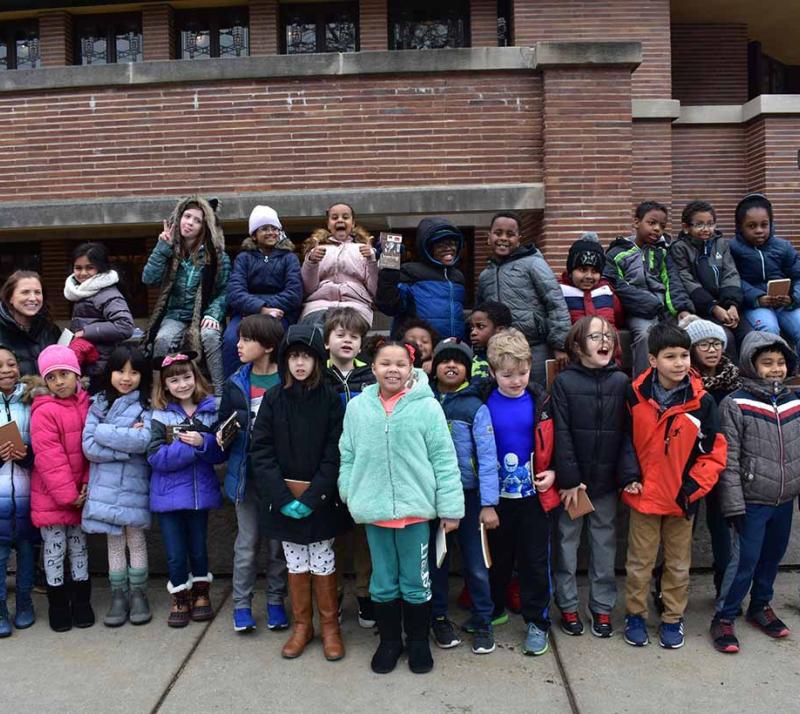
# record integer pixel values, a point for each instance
(727, 377)
(75, 291)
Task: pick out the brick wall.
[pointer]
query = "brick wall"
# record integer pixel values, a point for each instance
(709, 63)
(55, 39)
(158, 33)
(264, 38)
(651, 179)
(483, 23)
(374, 24)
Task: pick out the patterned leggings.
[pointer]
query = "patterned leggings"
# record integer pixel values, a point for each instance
(57, 541)
(137, 546)
(315, 557)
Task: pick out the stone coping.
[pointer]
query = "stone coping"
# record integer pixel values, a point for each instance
(763, 105)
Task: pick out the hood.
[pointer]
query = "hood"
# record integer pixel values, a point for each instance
(48, 398)
(420, 388)
(284, 244)
(696, 242)
(755, 341)
(207, 404)
(100, 401)
(521, 251)
(626, 242)
(643, 384)
(432, 229)
(322, 236)
(308, 335)
(38, 323)
(578, 367)
(75, 291)
(17, 394)
(217, 237)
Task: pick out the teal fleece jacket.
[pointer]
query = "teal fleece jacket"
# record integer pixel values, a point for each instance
(401, 465)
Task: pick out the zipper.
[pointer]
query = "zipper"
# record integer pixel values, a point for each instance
(780, 441)
(389, 456)
(7, 405)
(670, 421)
(450, 303)
(763, 266)
(598, 415)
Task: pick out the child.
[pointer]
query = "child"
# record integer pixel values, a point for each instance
(471, 431)
(487, 319)
(259, 337)
(759, 484)
(100, 313)
(523, 433)
(395, 480)
(519, 276)
(58, 486)
(183, 485)
(430, 288)
(675, 425)
(760, 257)
(593, 453)
(16, 529)
(422, 334)
(295, 461)
(646, 283)
(265, 280)
(115, 439)
(708, 272)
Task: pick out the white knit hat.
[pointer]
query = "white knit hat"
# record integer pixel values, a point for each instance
(699, 330)
(263, 216)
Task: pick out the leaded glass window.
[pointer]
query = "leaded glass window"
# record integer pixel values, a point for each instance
(422, 25)
(108, 39)
(214, 33)
(19, 46)
(319, 27)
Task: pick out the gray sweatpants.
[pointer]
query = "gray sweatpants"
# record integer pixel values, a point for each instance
(602, 552)
(168, 338)
(640, 329)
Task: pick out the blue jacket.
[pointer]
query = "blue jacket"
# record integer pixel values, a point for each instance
(471, 428)
(119, 475)
(773, 260)
(15, 481)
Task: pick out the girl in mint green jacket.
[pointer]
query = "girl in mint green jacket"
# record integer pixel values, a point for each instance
(398, 471)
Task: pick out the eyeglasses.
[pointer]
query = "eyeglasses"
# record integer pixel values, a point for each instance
(703, 226)
(708, 345)
(600, 336)
(267, 229)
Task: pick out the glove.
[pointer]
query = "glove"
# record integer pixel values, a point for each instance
(736, 522)
(302, 510)
(295, 509)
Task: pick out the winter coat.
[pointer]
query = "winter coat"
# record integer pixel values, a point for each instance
(183, 476)
(681, 452)
(60, 468)
(647, 284)
(773, 260)
(600, 301)
(470, 427)
(525, 283)
(407, 469)
(101, 312)
(725, 381)
(119, 475)
(426, 289)
(15, 479)
(295, 437)
(343, 278)
(351, 385)
(593, 430)
(258, 280)
(761, 422)
(27, 344)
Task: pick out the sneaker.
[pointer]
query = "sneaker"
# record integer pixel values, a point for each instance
(670, 635)
(768, 622)
(276, 616)
(25, 615)
(536, 641)
(444, 633)
(500, 619)
(601, 624)
(513, 599)
(483, 641)
(243, 620)
(366, 612)
(723, 634)
(636, 631)
(571, 624)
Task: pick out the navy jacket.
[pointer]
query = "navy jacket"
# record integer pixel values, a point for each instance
(353, 384)
(774, 260)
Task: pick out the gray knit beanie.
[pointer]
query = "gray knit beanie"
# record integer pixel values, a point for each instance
(699, 330)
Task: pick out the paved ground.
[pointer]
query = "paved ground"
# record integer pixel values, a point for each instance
(210, 668)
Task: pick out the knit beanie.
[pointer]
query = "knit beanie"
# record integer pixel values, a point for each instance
(699, 330)
(452, 348)
(58, 357)
(262, 216)
(586, 252)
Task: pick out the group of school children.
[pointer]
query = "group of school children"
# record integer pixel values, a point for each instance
(374, 453)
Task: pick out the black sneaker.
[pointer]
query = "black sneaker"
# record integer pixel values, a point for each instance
(768, 622)
(571, 624)
(366, 612)
(723, 635)
(483, 641)
(444, 633)
(601, 624)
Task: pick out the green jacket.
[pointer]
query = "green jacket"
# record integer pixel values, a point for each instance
(401, 465)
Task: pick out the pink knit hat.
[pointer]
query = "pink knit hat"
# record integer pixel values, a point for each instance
(58, 357)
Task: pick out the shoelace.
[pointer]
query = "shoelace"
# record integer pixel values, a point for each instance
(570, 617)
(727, 629)
(603, 619)
(769, 615)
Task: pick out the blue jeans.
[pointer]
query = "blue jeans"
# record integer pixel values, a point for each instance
(185, 538)
(769, 320)
(25, 569)
(719, 532)
(476, 573)
(755, 555)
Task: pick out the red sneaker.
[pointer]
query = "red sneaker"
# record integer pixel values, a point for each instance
(513, 601)
(464, 599)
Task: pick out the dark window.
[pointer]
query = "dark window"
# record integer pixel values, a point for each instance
(421, 25)
(224, 32)
(26, 255)
(108, 39)
(19, 45)
(504, 23)
(319, 27)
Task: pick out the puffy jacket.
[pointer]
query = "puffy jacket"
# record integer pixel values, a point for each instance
(471, 428)
(27, 344)
(59, 467)
(647, 284)
(183, 476)
(15, 480)
(773, 260)
(707, 271)
(601, 300)
(259, 280)
(426, 289)
(525, 283)
(761, 422)
(119, 475)
(681, 452)
(351, 385)
(408, 468)
(593, 430)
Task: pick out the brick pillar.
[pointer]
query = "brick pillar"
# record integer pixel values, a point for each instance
(55, 266)
(264, 27)
(158, 32)
(374, 23)
(651, 179)
(55, 39)
(483, 23)
(481, 254)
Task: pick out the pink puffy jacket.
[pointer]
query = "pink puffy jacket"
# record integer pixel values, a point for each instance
(59, 466)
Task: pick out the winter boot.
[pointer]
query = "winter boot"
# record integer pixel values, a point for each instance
(117, 614)
(302, 625)
(140, 607)
(389, 618)
(416, 620)
(24, 615)
(324, 588)
(201, 602)
(59, 611)
(82, 613)
(5, 622)
(179, 612)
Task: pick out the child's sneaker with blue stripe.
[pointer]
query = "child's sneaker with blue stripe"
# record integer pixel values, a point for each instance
(671, 635)
(243, 620)
(276, 616)
(636, 631)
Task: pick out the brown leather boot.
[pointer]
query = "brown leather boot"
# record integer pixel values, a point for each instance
(302, 625)
(179, 612)
(326, 595)
(201, 599)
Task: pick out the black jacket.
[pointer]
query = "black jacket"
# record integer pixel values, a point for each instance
(27, 344)
(351, 385)
(593, 430)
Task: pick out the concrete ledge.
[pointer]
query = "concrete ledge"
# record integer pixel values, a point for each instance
(711, 114)
(644, 109)
(771, 104)
(763, 105)
(588, 54)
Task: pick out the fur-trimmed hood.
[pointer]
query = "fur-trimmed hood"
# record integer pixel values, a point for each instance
(284, 243)
(322, 236)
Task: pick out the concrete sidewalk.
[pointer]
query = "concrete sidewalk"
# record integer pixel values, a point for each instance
(208, 667)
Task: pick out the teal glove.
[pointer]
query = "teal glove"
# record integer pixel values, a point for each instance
(295, 509)
(302, 510)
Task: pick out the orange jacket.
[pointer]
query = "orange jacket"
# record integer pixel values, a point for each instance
(681, 452)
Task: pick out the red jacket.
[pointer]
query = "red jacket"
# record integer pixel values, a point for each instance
(59, 466)
(600, 300)
(680, 451)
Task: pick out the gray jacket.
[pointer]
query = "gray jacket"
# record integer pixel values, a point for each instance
(761, 423)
